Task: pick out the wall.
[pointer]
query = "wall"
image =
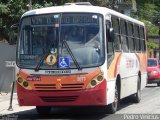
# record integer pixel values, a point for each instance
(7, 53)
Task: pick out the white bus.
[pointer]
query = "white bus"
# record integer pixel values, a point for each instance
(79, 55)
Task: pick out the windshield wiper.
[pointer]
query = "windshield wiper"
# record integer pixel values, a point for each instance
(41, 60)
(72, 55)
(44, 57)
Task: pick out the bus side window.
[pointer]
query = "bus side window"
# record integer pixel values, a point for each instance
(110, 48)
(124, 39)
(142, 39)
(117, 40)
(130, 37)
(136, 37)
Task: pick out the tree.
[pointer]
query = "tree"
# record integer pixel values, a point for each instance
(11, 10)
(152, 45)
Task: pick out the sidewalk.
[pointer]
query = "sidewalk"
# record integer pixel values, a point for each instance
(5, 103)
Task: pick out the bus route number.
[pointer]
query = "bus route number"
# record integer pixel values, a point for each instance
(81, 79)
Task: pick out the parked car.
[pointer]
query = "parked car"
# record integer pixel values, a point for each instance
(153, 70)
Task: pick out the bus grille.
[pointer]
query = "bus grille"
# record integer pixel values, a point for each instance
(58, 98)
(51, 87)
(45, 86)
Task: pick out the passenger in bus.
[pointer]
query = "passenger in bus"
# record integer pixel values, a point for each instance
(81, 36)
(50, 38)
(93, 40)
(74, 37)
(72, 34)
(76, 34)
(39, 46)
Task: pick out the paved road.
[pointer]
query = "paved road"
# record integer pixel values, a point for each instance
(147, 109)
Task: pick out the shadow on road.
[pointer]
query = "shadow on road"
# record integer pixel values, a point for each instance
(72, 113)
(93, 113)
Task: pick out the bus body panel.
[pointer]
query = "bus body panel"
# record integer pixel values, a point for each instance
(110, 91)
(128, 66)
(58, 90)
(90, 97)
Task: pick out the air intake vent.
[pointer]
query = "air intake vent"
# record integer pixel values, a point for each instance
(52, 87)
(58, 98)
(45, 86)
(72, 85)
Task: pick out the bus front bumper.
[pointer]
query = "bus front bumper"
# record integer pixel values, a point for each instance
(88, 97)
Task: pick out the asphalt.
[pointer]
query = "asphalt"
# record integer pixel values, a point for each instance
(8, 107)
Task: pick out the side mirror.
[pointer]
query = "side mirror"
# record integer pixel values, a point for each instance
(111, 35)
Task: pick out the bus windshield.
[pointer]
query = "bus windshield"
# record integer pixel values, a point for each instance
(44, 36)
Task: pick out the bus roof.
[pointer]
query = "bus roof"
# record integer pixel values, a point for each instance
(80, 8)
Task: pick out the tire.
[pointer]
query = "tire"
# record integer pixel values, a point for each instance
(112, 108)
(43, 110)
(158, 84)
(137, 96)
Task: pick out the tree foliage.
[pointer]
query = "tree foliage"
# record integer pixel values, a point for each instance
(152, 30)
(148, 11)
(11, 10)
(152, 45)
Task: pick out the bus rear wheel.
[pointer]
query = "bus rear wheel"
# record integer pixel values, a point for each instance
(112, 108)
(43, 110)
(137, 96)
(158, 84)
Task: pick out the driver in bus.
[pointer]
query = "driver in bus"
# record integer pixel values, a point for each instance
(93, 39)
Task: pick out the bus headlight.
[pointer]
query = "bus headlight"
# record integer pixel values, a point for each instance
(95, 81)
(100, 78)
(25, 84)
(20, 80)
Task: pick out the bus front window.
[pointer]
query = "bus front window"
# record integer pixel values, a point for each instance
(40, 34)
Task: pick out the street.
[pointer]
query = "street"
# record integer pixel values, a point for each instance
(148, 108)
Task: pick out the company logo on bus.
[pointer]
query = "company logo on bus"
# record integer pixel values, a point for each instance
(33, 78)
(58, 85)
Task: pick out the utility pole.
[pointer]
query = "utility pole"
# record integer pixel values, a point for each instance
(29, 5)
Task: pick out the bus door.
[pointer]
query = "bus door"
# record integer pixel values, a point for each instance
(109, 41)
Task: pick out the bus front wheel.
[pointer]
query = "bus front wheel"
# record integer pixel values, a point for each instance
(43, 110)
(112, 108)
